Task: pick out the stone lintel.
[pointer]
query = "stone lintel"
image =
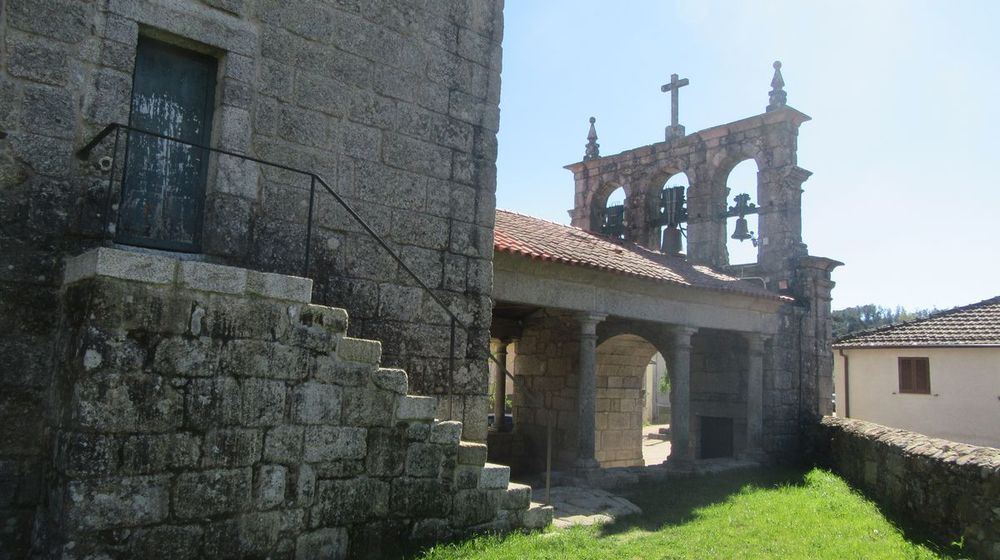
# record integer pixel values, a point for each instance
(104, 262)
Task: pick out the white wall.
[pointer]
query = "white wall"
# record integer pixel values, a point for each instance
(964, 403)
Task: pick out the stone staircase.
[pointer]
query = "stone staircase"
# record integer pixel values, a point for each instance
(205, 410)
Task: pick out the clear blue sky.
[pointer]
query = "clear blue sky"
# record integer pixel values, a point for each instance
(904, 95)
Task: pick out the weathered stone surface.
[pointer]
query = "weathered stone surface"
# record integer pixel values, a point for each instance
(538, 516)
(472, 507)
(198, 357)
(393, 380)
(386, 451)
(325, 443)
(127, 403)
(516, 497)
(340, 502)
(420, 497)
(86, 454)
(121, 265)
(447, 433)
(283, 444)
(368, 406)
(167, 541)
(108, 503)
(317, 403)
(269, 486)
(470, 453)
(212, 277)
(322, 544)
(494, 477)
(153, 453)
(359, 350)
(423, 459)
(213, 492)
(416, 408)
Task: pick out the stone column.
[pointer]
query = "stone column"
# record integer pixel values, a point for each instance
(586, 400)
(680, 396)
(755, 395)
(500, 386)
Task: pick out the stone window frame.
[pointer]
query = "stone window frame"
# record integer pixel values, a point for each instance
(233, 41)
(914, 380)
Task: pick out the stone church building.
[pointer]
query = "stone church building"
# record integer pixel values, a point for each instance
(249, 278)
(579, 311)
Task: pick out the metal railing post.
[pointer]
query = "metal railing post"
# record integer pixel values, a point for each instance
(309, 224)
(106, 218)
(451, 371)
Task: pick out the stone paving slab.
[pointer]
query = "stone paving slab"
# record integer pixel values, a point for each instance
(586, 506)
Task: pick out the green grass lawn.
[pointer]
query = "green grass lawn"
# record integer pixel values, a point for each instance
(759, 513)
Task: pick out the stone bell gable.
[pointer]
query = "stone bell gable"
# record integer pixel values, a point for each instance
(580, 311)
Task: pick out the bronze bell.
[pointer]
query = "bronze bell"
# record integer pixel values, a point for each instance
(671, 240)
(741, 233)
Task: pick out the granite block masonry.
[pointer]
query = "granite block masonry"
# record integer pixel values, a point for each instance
(202, 412)
(394, 103)
(950, 489)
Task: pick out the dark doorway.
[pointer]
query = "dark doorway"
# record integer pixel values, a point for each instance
(716, 437)
(163, 190)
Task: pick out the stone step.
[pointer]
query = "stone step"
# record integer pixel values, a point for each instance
(494, 477)
(470, 453)
(517, 497)
(537, 516)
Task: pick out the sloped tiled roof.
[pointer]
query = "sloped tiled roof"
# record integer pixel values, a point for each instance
(972, 325)
(543, 240)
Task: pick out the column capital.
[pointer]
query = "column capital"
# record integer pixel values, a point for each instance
(588, 322)
(755, 342)
(681, 334)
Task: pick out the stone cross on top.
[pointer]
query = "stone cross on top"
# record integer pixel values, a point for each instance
(675, 130)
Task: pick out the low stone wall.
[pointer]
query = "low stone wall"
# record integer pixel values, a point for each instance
(950, 489)
(209, 411)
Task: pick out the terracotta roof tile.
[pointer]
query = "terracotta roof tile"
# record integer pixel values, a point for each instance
(977, 324)
(539, 239)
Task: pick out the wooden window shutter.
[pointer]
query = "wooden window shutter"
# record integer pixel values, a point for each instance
(914, 375)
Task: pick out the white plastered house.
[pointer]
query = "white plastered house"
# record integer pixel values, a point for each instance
(938, 376)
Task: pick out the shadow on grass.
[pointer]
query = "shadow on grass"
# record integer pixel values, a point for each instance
(674, 502)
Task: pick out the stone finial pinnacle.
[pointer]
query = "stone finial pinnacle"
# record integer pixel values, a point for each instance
(777, 97)
(593, 148)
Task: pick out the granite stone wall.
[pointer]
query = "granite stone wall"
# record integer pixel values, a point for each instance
(547, 356)
(395, 103)
(210, 411)
(621, 370)
(952, 490)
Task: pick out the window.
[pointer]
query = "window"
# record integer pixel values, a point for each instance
(914, 375)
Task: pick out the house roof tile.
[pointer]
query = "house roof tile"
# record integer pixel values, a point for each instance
(977, 324)
(543, 240)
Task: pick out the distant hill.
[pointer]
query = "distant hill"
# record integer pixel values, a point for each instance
(870, 316)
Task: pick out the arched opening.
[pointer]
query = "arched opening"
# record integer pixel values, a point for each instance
(742, 232)
(622, 363)
(611, 214)
(671, 235)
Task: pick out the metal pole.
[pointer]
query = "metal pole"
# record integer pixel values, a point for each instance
(309, 224)
(451, 371)
(106, 218)
(548, 459)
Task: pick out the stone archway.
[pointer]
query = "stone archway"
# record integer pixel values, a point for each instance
(621, 362)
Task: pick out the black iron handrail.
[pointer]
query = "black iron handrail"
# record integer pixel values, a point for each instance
(116, 128)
